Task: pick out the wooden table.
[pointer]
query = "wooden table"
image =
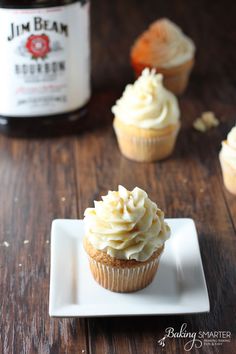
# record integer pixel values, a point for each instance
(43, 179)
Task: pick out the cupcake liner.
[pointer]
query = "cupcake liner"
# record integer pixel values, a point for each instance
(124, 279)
(229, 175)
(146, 149)
(175, 78)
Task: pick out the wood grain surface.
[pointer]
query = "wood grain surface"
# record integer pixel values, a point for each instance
(43, 179)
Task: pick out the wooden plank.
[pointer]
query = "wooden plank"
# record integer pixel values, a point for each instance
(43, 179)
(37, 185)
(186, 185)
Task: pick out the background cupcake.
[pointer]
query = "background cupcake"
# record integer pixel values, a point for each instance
(125, 236)
(228, 161)
(167, 49)
(146, 119)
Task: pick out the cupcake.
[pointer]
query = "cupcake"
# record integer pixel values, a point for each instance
(228, 161)
(124, 239)
(166, 48)
(146, 119)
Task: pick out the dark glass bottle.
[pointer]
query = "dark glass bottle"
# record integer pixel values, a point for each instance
(44, 65)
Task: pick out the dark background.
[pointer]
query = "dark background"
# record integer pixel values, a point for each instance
(43, 179)
(116, 24)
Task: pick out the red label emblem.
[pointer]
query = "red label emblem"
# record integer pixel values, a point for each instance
(38, 46)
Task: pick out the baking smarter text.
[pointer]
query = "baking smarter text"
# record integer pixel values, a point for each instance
(196, 339)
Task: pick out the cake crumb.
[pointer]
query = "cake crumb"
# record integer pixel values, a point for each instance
(63, 199)
(20, 265)
(201, 190)
(210, 119)
(6, 244)
(26, 241)
(199, 125)
(207, 121)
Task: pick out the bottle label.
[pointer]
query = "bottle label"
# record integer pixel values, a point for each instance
(44, 60)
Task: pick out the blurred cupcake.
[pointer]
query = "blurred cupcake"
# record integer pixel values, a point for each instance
(167, 49)
(228, 161)
(125, 236)
(146, 119)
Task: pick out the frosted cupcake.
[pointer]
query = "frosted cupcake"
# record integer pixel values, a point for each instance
(166, 48)
(125, 236)
(228, 161)
(146, 119)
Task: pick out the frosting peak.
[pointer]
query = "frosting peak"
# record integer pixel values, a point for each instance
(147, 103)
(228, 151)
(126, 225)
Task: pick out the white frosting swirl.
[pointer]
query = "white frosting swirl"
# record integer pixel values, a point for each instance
(228, 151)
(165, 45)
(126, 225)
(147, 104)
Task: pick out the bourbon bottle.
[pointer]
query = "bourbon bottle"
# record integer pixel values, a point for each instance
(44, 65)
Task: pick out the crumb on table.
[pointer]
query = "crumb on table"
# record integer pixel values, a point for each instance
(207, 121)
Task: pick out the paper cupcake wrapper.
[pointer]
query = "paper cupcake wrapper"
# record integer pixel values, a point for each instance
(229, 175)
(124, 279)
(145, 149)
(177, 83)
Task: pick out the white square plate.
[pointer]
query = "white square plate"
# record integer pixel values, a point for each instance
(179, 286)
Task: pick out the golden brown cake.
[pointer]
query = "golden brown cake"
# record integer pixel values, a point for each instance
(228, 161)
(125, 236)
(166, 48)
(146, 119)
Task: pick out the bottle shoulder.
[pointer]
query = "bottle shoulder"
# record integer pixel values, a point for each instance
(21, 4)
